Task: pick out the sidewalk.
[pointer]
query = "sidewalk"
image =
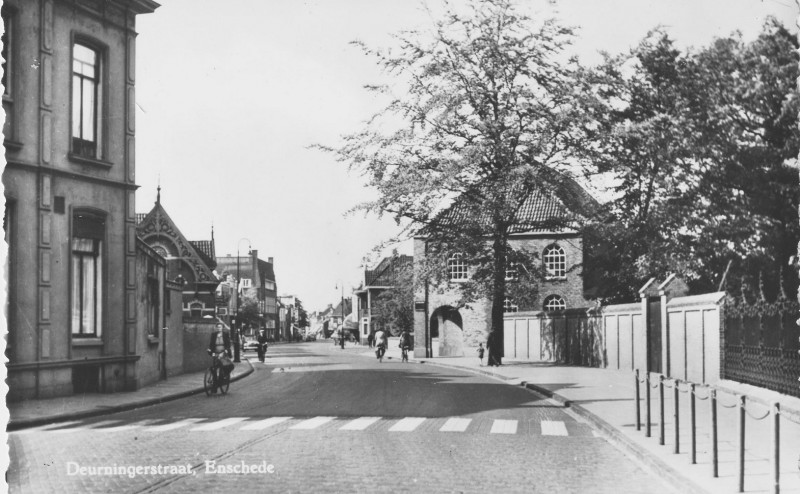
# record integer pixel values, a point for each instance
(606, 399)
(31, 413)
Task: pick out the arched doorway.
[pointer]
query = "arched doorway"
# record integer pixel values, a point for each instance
(447, 326)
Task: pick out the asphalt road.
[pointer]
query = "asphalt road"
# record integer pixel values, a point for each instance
(318, 419)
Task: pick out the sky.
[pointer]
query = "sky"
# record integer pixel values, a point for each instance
(231, 101)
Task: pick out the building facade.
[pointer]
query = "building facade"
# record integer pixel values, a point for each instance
(69, 182)
(445, 328)
(256, 279)
(386, 275)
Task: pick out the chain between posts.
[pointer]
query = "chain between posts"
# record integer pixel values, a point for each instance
(742, 402)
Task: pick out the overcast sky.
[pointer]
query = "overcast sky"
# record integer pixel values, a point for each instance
(230, 99)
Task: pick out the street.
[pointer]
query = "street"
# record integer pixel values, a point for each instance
(317, 419)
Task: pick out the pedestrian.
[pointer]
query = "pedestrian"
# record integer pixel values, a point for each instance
(371, 339)
(480, 352)
(262, 345)
(491, 344)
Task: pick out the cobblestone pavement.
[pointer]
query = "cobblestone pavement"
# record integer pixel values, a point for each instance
(311, 421)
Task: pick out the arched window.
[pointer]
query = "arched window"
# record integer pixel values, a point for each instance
(457, 268)
(555, 262)
(196, 310)
(554, 303)
(509, 305)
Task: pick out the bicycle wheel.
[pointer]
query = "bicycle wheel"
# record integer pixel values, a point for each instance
(224, 382)
(208, 382)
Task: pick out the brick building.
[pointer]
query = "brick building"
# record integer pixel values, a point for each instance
(70, 188)
(546, 224)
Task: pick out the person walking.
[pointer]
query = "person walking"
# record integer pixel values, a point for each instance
(371, 339)
(262, 345)
(480, 353)
(491, 344)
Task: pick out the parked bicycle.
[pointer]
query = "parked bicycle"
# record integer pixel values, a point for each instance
(217, 377)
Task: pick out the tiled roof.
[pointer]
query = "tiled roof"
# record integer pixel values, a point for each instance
(565, 206)
(206, 250)
(385, 273)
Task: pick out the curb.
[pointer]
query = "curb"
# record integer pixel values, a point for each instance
(666, 472)
(25, 423)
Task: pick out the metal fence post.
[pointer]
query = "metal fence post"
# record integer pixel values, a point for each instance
(740, 462)
(677, 448)
(638, 399)
(776, 441)
(693, 422)
(661, 409)
(647, 403)
(714, 449)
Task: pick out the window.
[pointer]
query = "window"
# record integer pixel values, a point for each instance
(8, 72)
(456, 268)
(196, 310)
(86, 101)
(9, 228)
(509, 305)
(512, 271)
(153, 303)
(555, 262)
(87, 274)
(246, 283)
(554, 303)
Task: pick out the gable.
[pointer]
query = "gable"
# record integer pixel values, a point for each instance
(158, 229)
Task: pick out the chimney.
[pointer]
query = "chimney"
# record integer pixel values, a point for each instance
(254, 253)
(269, 260)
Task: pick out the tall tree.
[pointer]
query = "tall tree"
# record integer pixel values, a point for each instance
(699, 143)
(487, 106)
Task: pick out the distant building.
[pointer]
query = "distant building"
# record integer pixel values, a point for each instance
(376, 281)
(191, 263)
(70, 195)
(257, 278)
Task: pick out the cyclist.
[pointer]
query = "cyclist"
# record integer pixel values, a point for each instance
(220, 343)
(380, 343)
(405, 343)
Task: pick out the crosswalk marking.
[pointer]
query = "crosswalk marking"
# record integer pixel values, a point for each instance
(455, 425)
(219, 424)
(359, 424)
(174, 425)
(407, 424)
(312, 423)
(263, 424)
(504, 427)
(90, 426)
(554, 428)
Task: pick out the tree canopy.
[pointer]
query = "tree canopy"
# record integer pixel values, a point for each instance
(486, 106)
(702, 146)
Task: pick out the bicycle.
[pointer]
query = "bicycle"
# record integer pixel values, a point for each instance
(380, 351)
(216, 377)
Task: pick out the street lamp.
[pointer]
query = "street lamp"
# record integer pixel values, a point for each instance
(238, 325)
(341, 328)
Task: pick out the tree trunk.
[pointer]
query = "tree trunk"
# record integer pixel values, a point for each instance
(497, 345)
